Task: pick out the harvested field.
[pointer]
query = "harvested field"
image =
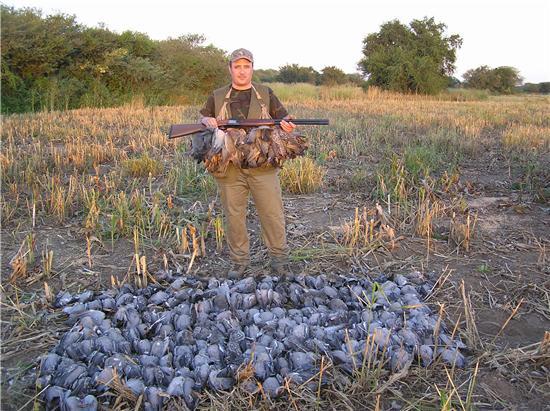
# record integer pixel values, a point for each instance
(457, 191)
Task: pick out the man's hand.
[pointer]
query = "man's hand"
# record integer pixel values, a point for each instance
(287, 126)
(209, 122)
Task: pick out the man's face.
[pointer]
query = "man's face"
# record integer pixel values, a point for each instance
(241, 73)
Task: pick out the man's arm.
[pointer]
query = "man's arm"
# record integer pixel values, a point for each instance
(277, 110)
(207, 115)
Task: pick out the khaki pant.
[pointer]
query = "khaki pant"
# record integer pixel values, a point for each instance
(263, 183)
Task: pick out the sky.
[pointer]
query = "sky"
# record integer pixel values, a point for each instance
(322, 33)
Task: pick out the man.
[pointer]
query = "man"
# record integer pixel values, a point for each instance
(241, 100)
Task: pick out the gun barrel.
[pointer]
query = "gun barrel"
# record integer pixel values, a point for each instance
(310, 122)
(180, 130)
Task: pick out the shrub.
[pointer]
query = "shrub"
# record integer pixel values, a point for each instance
(302, 175)
(142, 166)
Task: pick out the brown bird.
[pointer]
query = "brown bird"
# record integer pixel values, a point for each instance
(259, 147)
(278, 144)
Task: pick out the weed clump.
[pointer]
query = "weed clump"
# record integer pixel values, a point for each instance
(142, 166)
(302, 175)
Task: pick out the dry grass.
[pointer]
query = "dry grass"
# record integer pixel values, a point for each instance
(526, 137)
(142, 166)
(111, 174)
(368, 230)
(51, 161)
(301, 176)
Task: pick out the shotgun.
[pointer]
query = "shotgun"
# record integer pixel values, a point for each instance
(180, 130)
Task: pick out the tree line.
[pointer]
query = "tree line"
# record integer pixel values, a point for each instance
(55, 63)
(294, 73)
(52, 62)
(418, 58)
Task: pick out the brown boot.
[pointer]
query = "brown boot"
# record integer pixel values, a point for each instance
(237, 271)
(281, 268)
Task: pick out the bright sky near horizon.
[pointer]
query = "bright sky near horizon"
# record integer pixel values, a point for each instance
(322, 33)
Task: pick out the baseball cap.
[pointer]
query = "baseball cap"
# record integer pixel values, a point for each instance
(241, 54)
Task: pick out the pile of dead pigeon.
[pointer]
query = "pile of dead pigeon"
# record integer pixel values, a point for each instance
(259, 147)
(197, 334)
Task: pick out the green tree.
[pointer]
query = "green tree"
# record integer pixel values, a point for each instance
(265, 75)
(356, 79)
(293, 73)
(331, 76)
(191, 69)
(502, 79)
(453, 82)
(54, 63)
(507, 78)
(531, 88)
(479, 78)
(416, 58)
(34, 51)
(137, 44)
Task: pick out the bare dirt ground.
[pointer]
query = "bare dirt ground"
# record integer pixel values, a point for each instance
(505, 273)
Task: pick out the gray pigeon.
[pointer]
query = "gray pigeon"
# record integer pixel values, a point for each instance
(219, 383)
(88, 403)
(135, 385)
(426, 354)
(272, 387)
(400, 359)
(153, 399)
(176, 340)
(452, 357)
(49, 363)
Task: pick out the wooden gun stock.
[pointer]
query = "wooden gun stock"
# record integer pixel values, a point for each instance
(180, 130)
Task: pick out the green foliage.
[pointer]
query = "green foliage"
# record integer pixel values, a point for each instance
(190, 68)
(301, 92)
(265, 76)
(356, 79)
(417, 58)
(530, 88)
(421, 160)
(499, 80)
(293, 73)
(484, 268)
(52, 63)
(453, 82)
(137, 44)
(142, 166)
(506, 79)
(187, 177)
(543, 88)
(34, 49)
(331, 76)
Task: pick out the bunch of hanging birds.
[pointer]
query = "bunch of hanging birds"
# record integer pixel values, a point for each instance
(177, 340)
(259, 147)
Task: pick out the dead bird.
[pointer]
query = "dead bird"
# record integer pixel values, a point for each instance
(88, 403)
(218, 141)
(230, 154)
(212, 327)
(278, 145)
(400, 359)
